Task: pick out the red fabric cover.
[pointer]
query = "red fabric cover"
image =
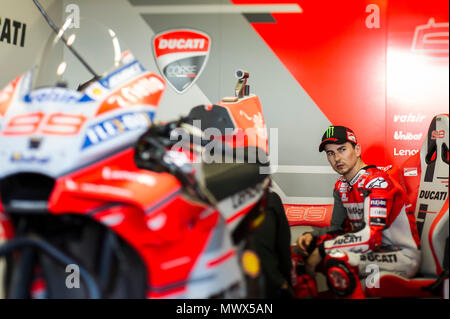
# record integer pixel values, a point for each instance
(391, 286)
(412, 181)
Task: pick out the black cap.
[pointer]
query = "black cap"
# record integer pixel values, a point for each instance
(337, 135)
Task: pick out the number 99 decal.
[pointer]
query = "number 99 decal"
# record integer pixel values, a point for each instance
(53, 124)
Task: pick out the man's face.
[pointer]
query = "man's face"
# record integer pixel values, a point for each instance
(343, 157)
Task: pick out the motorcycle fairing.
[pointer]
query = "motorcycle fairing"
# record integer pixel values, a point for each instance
(236, 183)
(91, 124)
(240, 123)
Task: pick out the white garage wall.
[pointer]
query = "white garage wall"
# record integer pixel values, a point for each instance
(131, 29)
(15, 59)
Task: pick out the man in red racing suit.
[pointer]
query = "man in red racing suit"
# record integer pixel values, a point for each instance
(379, 226)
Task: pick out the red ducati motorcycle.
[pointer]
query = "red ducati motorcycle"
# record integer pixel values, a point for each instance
(86, 212)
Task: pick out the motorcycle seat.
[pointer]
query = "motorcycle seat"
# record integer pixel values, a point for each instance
(216, 117)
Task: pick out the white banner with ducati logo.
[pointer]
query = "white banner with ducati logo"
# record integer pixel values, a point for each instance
(181, 56)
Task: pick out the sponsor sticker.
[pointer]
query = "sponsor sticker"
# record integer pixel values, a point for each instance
(377, 209)
(112, 174)
(354, 211)
(378, 182)
(383, 258)
(385, 168)
(25, 158)
(410, 171)
(56, 95)
(97, 189)
(181, 56)
(122, 75)
(146, 89)
(378, 203)
(377, 221)
(347, 239)
(378, 212)
(245, 196)
(343, 188)
(344, 197)
(115, 126)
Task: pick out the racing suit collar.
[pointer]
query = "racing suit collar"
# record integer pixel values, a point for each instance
(359, 174)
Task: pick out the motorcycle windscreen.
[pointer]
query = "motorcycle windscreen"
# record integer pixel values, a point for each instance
(73, 57)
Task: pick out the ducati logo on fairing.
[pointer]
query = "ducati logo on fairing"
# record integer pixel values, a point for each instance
(181, 56)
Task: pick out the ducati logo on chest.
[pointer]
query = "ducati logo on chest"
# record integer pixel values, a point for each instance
(181, 56)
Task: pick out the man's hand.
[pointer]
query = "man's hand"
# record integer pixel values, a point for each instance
(303, 242)
(311, 263)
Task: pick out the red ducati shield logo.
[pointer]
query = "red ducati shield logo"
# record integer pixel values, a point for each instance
(181, 56)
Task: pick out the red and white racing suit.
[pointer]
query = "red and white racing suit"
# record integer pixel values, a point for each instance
(379, 227)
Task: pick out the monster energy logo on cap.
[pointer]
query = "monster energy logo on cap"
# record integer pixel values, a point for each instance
(330, 131)
(337, 135)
